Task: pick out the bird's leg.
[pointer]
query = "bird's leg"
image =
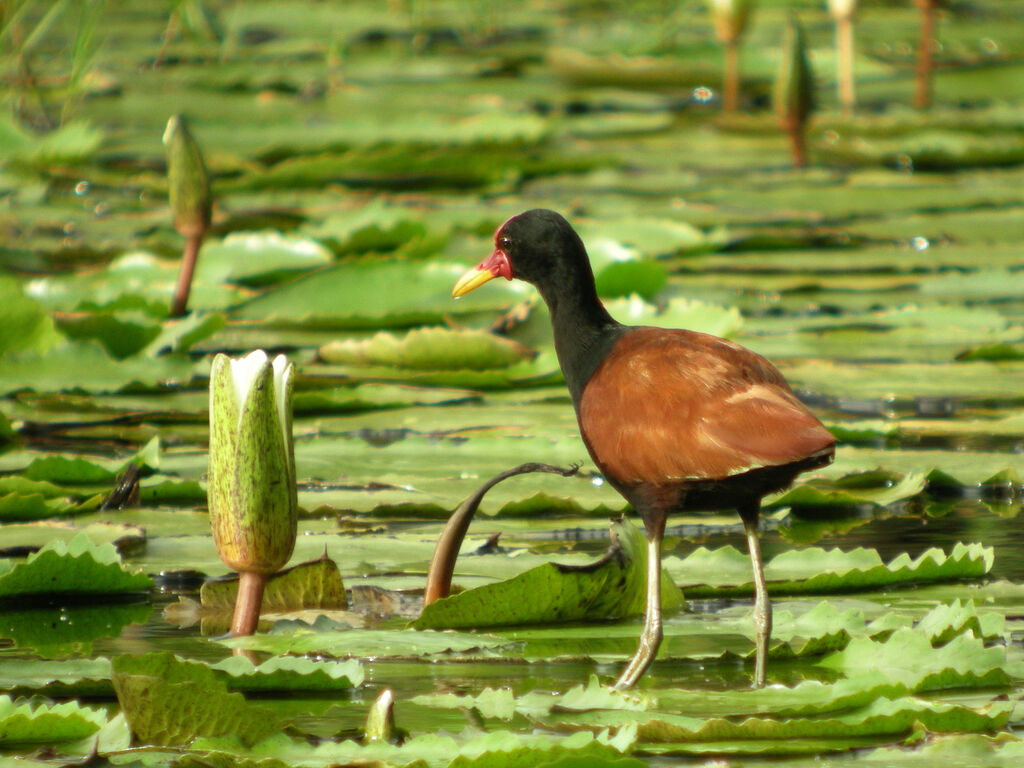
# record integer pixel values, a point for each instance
(762, 605)
(650, 638)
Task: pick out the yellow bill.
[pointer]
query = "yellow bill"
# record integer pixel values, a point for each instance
(472, 280)
(495, 265)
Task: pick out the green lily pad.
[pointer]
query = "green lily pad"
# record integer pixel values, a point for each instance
(379, 228)
(613, 587)
(814, 570)
(258, 258)
(170, 701)
(94, 370)
(25, 723)
(882, 720)
(356, 643)
(78, 567)
(24, 325)
(287, 673)
(316, 584)
(373, 294)
(501, 749)
(428, 349)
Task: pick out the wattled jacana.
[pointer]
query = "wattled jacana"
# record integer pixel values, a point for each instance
(675, 420)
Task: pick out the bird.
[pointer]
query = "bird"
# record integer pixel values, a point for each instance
(675, 420)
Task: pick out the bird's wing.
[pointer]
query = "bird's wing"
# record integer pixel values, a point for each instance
(674, 405)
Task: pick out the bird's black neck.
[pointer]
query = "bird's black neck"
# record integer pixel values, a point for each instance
(584, 332)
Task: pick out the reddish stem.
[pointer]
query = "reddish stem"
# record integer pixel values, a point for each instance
(248, 603)
(188, 266)
(923, 85)
(731, 86)
(442, 565)
(844, 45)
(798, 140)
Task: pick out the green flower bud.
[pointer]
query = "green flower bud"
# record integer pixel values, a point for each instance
(842, 9)
(252, 493)
(730, 18)
(380, 721)
(187, 180)
(793, 95)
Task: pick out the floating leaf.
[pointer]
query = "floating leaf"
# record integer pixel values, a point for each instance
(500, 749)
(287, 673)
(316, 584)
(171, 701)
(851, 490)
(379, 227)
(20, 506)
(374, 294)
(71, 143)
(374, 396)
(908, 657)
(78, 567)
(58, 678)
(24, 723)
(613, 587)
(497, 703)
(357, 643)
(813, 570)
(882, 720)
(429, 349)
(94, 370)
(122, 334)
(24, 325)
(259, 258)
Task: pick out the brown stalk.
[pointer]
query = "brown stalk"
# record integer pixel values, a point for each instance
(248, 603)
(844, 51)
(189, 256)
(731, 86)
(796, 130)
(925, 65)
(439, 576)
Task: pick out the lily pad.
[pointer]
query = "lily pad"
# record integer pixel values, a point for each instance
(429, 349)
(170, 701)
(23, 722)
(613, 587)
(78, 568)
(814, 570)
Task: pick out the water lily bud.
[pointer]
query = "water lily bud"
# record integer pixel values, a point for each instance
(252, 493)
(730, 18)
(187, 180)
(793, 95)
(380, 722)
(842, 9)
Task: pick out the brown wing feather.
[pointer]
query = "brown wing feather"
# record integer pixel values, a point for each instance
(669, 405)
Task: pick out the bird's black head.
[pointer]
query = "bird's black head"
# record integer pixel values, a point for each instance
(540, 247)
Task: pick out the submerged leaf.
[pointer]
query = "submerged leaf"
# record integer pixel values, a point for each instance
(57, 631)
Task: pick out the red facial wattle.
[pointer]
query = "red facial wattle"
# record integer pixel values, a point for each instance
(497, 264)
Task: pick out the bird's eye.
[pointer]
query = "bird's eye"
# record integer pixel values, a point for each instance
(504, 242)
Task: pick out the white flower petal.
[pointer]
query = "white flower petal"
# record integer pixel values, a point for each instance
(244, 371)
